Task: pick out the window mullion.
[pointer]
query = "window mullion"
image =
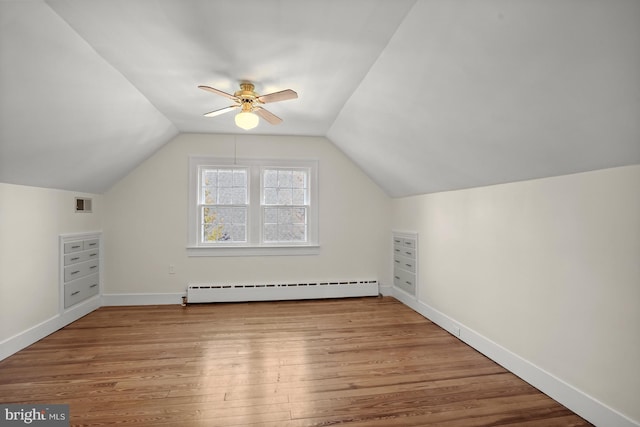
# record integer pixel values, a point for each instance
(255, 208)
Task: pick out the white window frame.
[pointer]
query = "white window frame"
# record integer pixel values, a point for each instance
(254, 245)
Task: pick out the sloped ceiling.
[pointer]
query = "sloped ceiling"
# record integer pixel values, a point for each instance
(498, 91)
(424, 96)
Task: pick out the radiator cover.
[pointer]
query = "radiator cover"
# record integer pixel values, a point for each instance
(207, 292)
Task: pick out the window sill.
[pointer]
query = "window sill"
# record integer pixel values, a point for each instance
(210, 251)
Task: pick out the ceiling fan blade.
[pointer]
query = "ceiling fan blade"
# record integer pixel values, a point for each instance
(267, 115)
(221, 111)
(218, 92)
(283, 95)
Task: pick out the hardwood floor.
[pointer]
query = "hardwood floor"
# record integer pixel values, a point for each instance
(355, 362)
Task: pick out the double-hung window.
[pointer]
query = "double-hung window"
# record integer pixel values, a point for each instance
(285, 205)
(252, 207)
(223, 204)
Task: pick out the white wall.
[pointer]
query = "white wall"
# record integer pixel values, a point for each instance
(31, 218)
(146, 220)
(548, 269)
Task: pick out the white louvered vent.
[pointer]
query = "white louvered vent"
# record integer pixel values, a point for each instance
(207, 292)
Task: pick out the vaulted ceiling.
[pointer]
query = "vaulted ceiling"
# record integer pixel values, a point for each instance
(425, 96)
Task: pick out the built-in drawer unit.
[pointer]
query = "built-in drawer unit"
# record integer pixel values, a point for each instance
(405, 261)
(79, 268)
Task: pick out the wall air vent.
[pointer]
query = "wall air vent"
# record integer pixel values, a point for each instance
(83, 204)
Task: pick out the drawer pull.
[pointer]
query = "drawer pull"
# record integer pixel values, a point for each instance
(408, 253)
(397, 261)
(397, 277)
(408, 283)
(92, 244)
(93, 266)
(75, 293)
(93, 255)
(75, 259)
(74, 272)
(75, 247)
(94, 285)
(408, 265)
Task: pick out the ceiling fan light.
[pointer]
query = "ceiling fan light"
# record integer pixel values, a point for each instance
(246, 121)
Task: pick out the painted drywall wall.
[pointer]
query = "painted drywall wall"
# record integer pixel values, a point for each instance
(549, 269)
(31, 219)
(146, 220)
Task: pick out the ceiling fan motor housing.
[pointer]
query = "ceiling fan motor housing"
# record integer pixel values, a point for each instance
(246, 92)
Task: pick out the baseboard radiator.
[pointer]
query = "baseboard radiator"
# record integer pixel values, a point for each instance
(205, 292)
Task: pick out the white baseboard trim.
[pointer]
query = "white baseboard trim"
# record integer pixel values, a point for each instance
(582, 404)
(386, 290)
(579, 402)
(34, 334)
(142, 299)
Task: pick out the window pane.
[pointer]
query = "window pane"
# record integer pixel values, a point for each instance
(285, 196)
(210, 177)
(239, 196)
(239, 216)
(220, 224)
(225, 178)
(270, 232)
(239, 178)
(298, 196)
(285, 187)
(299, 179)
(238, 233)
(214, 233)
(270, 178)
(284, 233)
(270, 196)
(224, 186)
(284, 216)
(225, 196)
(299, 233)
(289, 232)
(270, 215)
(284, 179)
(299, 216)
(285, 224)
(208, 195)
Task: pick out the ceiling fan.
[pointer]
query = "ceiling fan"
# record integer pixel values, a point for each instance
(249, 104)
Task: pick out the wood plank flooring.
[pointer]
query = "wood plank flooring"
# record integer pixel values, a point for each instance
(355, 362)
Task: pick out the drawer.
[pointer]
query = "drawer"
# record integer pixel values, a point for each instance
(407, 252)
(404, 263)
(76, 271)
(92, 254)
(76, 257)
(73, 247)
(92, 266)
(91, 244)
(81, 289)
(81, 269)
(405, 281)
(409, 243)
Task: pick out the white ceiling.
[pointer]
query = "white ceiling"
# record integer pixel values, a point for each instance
(425, 96)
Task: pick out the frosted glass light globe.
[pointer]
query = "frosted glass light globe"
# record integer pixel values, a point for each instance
(246, 120)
